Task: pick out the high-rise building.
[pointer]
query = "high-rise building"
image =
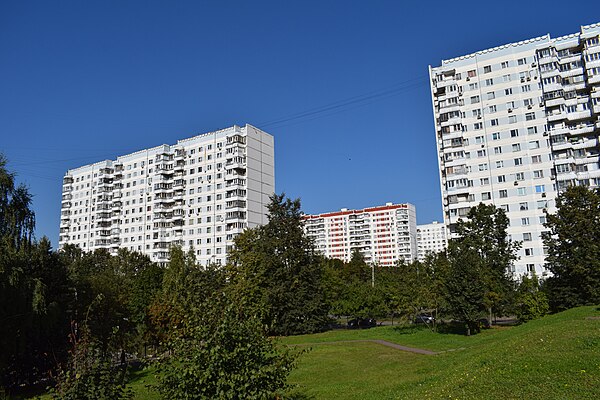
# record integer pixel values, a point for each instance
(431, 238)
(199, 193)
(384, 235)
(515, 125)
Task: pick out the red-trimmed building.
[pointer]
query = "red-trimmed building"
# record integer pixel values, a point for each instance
(384, 234)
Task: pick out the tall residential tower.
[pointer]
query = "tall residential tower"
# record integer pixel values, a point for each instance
(515, 125)
(384, 235)
(199, 193)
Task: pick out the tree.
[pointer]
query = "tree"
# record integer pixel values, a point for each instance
(482, 256)
(573, 244)
(275, 268)
(485, 231)
(531, 302)
(226, 355)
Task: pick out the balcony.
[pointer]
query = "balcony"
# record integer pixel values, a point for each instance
(68, 180)
(579, 115)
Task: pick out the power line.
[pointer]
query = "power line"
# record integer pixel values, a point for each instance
(360, 100)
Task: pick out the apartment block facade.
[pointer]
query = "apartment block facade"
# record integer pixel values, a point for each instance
(384, 235)
(431, 239)
(515, 125)
(198, 193)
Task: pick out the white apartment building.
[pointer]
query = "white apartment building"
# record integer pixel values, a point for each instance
(516, 124)
(384, 234)
(431, 238)
(198, 193)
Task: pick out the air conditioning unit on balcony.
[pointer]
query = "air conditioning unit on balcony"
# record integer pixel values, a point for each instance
(529, 107)
(468, 79)
(510, 110)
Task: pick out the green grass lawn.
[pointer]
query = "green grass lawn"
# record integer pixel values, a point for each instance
(557, 357)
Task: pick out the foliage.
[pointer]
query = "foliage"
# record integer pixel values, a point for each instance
(34, 296)
(478, 274)
(275, 269)
(90, 373)
(573, 244)
(531, 302)
(227, 355)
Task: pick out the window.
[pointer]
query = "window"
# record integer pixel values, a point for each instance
(541, 204)
(523, 206)
(528, 252)
(479, 139)
(492, 109)
(504, 64)
(480, 153)
(483, 167)
(477, 125)
(494, 122)
(514, 132)
(518, 161)
(487, 69)
(534, 144)
(489, 82)
(486, 196)
(484, 181)
(540, 189)
(538, 174)
(496, 136)
(499, 164)
(516, 147)
(532, 130)
(521, 61)
(527, 237)
(508, 91)
(498, 150)
(473, 86)
(501, 178)
(526, 88)
(530, 116)
(503, 193)
(536, 159)
(491, 95)
(512, 119)
(471, 73)
(474, 99)
(522, 191)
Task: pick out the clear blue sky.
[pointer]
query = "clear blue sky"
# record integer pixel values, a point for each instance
(83, 81)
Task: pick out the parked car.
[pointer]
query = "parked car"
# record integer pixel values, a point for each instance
(366, 323)
(424, 319)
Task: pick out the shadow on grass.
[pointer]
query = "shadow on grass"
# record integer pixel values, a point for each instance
(445, 328)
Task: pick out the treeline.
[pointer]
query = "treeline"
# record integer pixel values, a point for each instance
(74, 320)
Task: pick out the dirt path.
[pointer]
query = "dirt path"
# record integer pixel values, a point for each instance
(383, 343)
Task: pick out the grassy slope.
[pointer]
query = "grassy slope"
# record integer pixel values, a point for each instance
(557, 357)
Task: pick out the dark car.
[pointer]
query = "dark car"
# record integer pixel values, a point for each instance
(362, 323)
(424, 319)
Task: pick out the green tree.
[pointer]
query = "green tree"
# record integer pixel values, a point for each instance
(531, 302)
(483, 255)
(573, 244)
(465, 284)
(485, 231)
(275, 267)
(34, 291)
(227, 355)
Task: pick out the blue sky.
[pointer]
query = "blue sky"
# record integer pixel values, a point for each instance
(342, 85)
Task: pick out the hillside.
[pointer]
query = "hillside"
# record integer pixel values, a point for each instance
(556, 357)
